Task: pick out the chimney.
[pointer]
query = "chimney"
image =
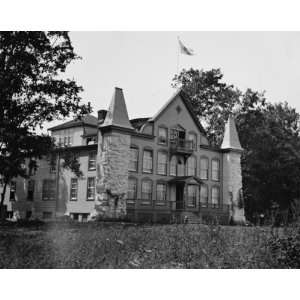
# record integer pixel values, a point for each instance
(101, 115)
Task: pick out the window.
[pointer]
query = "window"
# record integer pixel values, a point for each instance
(204, 168)
(30, 190)
(180, 166)
(148, 161)
(161, 193)
(204, 195)
(215, 170)
(65, 141)
(12, 194)
(162, 161)
(91, 189)
(191, 166)
(92, 161)
(192, 195)
(132, 190)
(146, 191)
(70, 140)
(134, 157)
(173, 166)
(74, 189)
(215, 196)
(47, 215)
(162, 135)
(48, 193)
(52, 163)
(177, 166)
(193, 138)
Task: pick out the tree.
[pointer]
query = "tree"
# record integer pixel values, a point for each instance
(33, 91)
(269, 134)
(211, 99)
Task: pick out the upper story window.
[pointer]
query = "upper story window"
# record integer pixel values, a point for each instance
(204, 165)
(204, 195)
(91, 189)
(191, 166)
(177, 132)
(161, 192)
(146, 191)
(215, 170)
(92, 161)
(48, 192)
(215, 196)
(30, 190)
(193, 138)
(177, 166)
(148, 161)
(12, 193)
(162, 162)
(134, 158)
(192, 195)
(162, 135)
(132, 189)
(74, 189)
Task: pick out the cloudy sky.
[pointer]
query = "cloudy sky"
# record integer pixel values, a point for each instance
(144, 63)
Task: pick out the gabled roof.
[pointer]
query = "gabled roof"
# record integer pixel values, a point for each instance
(88, 120)
(138, 122)
(186, 100)
(231, 139)
(117, 114)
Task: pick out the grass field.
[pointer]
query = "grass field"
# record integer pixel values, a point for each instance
(158, 246)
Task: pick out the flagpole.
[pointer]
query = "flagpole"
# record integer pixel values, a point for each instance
(178, 55)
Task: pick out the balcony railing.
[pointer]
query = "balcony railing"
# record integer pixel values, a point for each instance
(181, 146)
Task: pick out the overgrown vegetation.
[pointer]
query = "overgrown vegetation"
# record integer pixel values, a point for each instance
(104, 245)
(269, 133)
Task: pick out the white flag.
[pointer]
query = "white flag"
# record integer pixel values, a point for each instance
(184, 49)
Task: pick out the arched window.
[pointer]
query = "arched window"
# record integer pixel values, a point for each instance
(161, 193)
(204, 195)
(215, 169)
(191, 166)
(134, 159)
(148, 161)
(162, 162)
(162, 135)
(192, 195)
(177, 166)
(132, 189)
(146, 191)
(204, 165)
(215, 196)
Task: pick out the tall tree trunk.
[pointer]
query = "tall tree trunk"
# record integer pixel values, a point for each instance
(2, 212)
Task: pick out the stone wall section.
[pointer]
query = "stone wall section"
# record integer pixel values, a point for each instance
(233, 185)
(112, 175)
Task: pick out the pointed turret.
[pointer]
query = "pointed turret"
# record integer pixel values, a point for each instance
(231, 139)
(117, 112)
(232, 173)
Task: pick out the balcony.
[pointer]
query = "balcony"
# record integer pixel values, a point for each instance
(182, 146)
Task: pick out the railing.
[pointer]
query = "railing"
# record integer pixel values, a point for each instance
(182, 145)
(177, 205)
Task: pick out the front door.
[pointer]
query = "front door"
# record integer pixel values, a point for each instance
(179, 196)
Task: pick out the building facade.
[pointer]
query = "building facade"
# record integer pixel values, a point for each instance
(157, 169)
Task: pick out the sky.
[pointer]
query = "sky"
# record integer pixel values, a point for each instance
(143, 64)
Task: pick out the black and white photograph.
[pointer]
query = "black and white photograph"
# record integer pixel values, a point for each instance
(149, 149)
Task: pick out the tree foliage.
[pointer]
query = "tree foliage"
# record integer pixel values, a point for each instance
(269, 134)
(32, 91)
